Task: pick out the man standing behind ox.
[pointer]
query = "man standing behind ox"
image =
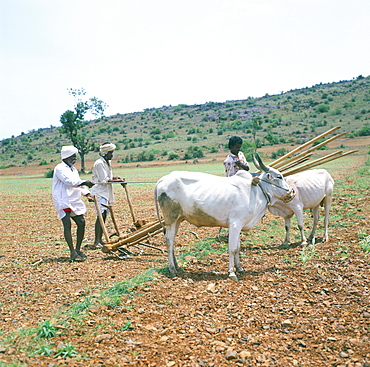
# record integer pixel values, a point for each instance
(235, 161)
(67, 190)
(103, 189)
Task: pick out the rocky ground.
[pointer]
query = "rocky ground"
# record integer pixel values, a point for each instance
(290, 308)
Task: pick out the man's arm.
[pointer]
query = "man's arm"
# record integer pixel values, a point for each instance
(242, 166)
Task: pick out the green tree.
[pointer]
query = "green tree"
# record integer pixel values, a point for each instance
(271, 138)
(255, 126)
(73, 122)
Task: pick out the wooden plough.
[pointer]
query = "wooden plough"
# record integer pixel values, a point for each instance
(141, 236)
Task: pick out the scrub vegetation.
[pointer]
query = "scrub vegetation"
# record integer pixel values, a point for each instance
(191, 132)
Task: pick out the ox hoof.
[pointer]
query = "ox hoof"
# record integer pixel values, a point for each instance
(311, 240)
(233, 277)
(173, 274)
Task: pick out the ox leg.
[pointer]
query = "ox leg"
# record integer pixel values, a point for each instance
(299, 215)
(327, 204)
(234, 252)
(315, 214)
(287, 230)
(171, 231)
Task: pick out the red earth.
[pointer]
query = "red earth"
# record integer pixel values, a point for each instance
(284, 311)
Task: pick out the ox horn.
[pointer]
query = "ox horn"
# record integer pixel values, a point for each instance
(256, 163)
(259, 164)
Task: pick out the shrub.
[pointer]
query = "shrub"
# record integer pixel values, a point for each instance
(49, 174)
(322, 108)
(155, 131)
(172, 156)
(279, 153)
(193, 152)
(364, 131)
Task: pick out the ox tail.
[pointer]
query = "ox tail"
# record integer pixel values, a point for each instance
(157, 208)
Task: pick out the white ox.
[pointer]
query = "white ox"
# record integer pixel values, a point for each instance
(312, 188)
(213, 201)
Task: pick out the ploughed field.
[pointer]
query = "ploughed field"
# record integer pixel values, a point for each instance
(292, 307)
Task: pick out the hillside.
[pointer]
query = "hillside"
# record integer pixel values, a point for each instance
(167, 133)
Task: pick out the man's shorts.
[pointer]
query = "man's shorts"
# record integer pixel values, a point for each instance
(103, 208)
(69, 210)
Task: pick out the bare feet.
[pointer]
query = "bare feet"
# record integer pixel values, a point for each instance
(78, 258)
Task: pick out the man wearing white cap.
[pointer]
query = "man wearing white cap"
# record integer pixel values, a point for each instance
(67, 190)
(103, 189)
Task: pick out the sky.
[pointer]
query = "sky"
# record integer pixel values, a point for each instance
(138, 54)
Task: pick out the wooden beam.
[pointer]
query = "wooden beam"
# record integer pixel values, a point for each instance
(317, 162)
(298, 149)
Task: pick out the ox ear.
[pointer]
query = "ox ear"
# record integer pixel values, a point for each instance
(261, 165)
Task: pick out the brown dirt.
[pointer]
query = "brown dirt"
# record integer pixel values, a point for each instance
(282, 312)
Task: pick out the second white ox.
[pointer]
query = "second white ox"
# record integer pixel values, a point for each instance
(312, 188)
(212, 201)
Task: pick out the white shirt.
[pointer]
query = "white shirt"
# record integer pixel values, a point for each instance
(66, 192)
(230, 167)
(102, 173)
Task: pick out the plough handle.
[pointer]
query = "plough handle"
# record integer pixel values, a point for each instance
(129, 202)
(113, 218)
(101, 220)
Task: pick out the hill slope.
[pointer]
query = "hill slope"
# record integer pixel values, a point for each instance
(168, 132)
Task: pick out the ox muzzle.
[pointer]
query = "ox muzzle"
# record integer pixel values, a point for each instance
(289, 196)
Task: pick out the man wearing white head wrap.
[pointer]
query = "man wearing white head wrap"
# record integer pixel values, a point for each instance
(106, 147)
(67, 151)
(103, 189)
(67, 190)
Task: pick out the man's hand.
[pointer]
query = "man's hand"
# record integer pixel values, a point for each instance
(88, 183)
(90, 197)
(117, 179)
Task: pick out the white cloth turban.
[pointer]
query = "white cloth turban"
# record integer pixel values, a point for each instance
(68, 150)
(105, 148)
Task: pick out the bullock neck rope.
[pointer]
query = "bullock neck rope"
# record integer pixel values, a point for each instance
(287, 197)
(265, 194)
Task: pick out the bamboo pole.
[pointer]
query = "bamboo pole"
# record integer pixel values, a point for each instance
(101, 220)
(325, 159)
(333, 158)
(292, 159)
(293, 164)
(309, 151)
(289, 154)
(314, 163)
